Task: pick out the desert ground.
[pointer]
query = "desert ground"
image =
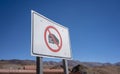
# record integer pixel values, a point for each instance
(3, 71)
(50, 67)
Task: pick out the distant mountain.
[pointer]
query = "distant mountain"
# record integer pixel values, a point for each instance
(71, 63)
(117, 64)
(92, 64)
(16, 61)
(51, 63)
(107, 64)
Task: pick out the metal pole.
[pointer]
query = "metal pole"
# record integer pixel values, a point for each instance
(65, 66)
(39, 65)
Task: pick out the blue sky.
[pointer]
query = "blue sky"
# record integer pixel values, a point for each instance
(94, 27)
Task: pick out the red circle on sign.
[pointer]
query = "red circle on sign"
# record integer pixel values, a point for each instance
(58, 45)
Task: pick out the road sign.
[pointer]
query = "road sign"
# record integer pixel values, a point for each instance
(48, 38)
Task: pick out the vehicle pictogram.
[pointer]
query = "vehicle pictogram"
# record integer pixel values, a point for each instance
(53, 39)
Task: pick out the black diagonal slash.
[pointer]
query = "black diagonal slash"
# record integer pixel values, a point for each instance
(54, 40)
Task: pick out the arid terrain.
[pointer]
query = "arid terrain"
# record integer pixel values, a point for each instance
(50, 67)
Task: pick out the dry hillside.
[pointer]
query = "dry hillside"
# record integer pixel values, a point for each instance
(88, 67)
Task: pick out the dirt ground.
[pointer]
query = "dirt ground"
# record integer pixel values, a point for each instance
(30, 71)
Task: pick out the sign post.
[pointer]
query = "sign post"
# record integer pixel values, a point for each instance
(65, 64)
(49, 39)
(39, 65)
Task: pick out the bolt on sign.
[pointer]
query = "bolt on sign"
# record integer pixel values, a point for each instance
(48, 38)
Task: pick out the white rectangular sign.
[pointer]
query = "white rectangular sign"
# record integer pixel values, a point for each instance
(48, 38)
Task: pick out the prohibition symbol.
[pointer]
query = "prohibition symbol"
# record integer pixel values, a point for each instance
(53, 39)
